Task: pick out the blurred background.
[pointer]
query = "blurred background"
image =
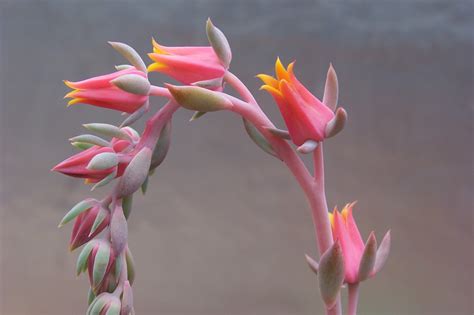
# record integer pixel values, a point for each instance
(224, 228)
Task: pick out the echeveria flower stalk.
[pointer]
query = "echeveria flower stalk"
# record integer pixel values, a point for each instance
(119, 152)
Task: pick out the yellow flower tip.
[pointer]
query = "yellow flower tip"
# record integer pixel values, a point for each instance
(331, 218)
(157, 66)
(270, 89)
(157, 48)
(280, 70)
(71, 94)
(268, 80)
(75, 101)
(290, 68)
(87, 181)
(69, 84)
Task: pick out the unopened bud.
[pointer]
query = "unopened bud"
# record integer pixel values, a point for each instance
(199, 99)
(219, 43)
(132, 83)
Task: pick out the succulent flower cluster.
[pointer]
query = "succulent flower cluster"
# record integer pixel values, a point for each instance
(121, 155)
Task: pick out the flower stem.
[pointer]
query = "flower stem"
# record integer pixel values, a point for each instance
(313, 187)
(353, 298)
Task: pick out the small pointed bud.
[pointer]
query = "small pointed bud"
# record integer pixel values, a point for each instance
(130, 265)
(210, 84)
(219, 43)
(136, 115)
(102, 215)
(367, 261)
(91, 139)
(284, 134)
(118, 230)
(132, 83)
(107, 130)
(130, 54)
(127, 299)
(105, 180)
(135, 173)
(199, 99)
(103, 161)
(197, 115)
(127, 205)
(122, 67)
(162, 146)
(331, 274)
(307, 147)
(258, 138)
(331, 89)
(77, 210)
(82, 145)
(313, 265)
(382, 253)
(335, 125)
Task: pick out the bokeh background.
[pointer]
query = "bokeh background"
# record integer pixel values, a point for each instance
(224, 227)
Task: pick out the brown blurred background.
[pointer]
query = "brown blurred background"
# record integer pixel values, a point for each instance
(224, 227)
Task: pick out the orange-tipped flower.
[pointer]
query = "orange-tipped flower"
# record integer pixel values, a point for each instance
(306, 117)
(100, 91)
(361, 260)
(187, 64)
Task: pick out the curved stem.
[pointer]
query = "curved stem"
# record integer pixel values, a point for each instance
(353, 299)
(312, 187)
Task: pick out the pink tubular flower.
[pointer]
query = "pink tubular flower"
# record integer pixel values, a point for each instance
(77, 165)
(361, 260)
(187, 64)
(100, 91)
(305, 115)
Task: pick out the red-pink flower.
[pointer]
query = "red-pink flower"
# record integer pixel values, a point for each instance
(100, 91)
(187, 64)
(306, 117)
(77, 165)
(361, 261)
(88, 224)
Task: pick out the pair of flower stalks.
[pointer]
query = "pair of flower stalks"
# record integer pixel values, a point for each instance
(100, 226)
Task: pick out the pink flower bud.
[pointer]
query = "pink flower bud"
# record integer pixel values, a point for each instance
(102, 92)
(88, 224)
(99, 265)
(360, 260)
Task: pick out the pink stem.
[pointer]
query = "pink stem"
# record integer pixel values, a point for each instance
(313, 187)
(353, 299)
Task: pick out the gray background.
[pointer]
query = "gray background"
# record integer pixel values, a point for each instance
(224, 227)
